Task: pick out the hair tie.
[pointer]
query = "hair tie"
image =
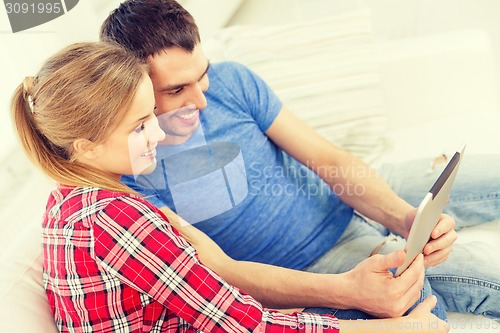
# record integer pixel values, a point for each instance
(28, 84)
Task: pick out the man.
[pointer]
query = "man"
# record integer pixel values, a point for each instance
(284, 195)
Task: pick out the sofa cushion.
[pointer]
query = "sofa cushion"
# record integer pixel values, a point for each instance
(325, 71)
(23, 303)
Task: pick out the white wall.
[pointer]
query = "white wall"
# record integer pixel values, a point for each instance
(392, 19)
(23, 52)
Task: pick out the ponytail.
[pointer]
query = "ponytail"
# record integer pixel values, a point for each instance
(49, 114)
(23, 114)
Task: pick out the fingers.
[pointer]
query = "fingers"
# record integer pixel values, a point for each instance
(405, 289)
(413, 277)
(414, 270)
(436, 258)
(438, 250)
(427, 304)
(444, 235)
(412, 294)
(445, 224)
(445, 241)
(423, 311)
(391, 260)
(379, 284)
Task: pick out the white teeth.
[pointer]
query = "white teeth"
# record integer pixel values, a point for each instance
(188, 115)
(149, 153)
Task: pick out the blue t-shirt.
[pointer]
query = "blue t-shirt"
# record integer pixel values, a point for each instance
(258, 203)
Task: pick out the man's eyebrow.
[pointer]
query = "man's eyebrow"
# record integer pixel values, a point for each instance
(206, 71)
(178, 86)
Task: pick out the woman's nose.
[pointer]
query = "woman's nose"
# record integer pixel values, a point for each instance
(153, 131)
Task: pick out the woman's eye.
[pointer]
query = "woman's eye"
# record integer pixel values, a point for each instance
(140, 128)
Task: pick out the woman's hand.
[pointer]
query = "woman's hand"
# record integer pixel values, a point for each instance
(423, 316)
(420, 320)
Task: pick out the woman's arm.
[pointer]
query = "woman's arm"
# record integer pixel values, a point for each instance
(367, 287)
(133, 242)
(420, 320)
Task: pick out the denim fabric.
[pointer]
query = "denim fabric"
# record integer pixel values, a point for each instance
(354, 246)
(469, 281)
(475, 195)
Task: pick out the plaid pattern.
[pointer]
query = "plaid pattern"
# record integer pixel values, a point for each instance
(112, 263)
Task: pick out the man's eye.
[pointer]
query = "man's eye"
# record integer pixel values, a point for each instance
(176, 92)
(140, 128)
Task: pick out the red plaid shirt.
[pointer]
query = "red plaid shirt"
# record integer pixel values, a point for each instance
(112, 263)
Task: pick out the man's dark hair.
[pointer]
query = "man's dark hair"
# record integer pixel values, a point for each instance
(146, 27)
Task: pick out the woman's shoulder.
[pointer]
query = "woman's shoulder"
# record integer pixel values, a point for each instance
(67, 194)
(70, 203)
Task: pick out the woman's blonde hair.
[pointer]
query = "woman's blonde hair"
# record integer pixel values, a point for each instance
(81, 92)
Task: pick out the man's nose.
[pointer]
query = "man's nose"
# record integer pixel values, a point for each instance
(198, 96)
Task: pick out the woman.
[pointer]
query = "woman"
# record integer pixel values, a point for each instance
(112, 261)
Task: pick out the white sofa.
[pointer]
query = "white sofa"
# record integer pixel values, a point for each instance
(440, 91)
(438, 84)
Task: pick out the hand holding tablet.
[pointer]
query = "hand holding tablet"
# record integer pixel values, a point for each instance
(430, 210)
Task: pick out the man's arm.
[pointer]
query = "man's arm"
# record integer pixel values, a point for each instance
(281, 288)
(356, 183)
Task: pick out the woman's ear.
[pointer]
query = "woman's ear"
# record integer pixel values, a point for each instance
(87, 149)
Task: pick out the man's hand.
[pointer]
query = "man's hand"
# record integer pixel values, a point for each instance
(443, 236)
(376, 291)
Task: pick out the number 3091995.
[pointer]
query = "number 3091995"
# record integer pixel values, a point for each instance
(32, 8)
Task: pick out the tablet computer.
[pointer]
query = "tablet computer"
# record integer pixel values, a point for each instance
(430, 210)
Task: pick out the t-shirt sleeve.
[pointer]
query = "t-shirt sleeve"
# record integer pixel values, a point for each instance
(135, 243)
(261, 102)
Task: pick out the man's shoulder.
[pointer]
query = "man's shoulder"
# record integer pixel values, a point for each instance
(227, 66)
(230, 77)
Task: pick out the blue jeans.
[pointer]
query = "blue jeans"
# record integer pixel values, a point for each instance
(469, 281)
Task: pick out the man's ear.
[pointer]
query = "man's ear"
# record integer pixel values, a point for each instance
(87, 149)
